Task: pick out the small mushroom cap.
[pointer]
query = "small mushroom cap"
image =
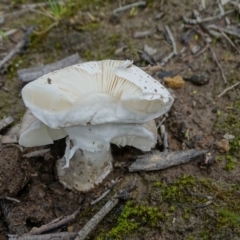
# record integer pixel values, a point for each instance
(107, 91)
(35, 133)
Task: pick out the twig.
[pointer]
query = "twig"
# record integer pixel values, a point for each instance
(144, 33)
(208, 19)
(17, 48)
(171, 39)
(162, 160)
(88, 228)
(234, 32)
(201, 51)
(230, 41)
(5, 122)
(38, 153)
(10, 199)
(105, 193)
(137, 4)
(227, 89)
(219, 66)
(50, 236)
(30, 74)
(55, 224)
(161, 122)
(167, 58)
(165, 142)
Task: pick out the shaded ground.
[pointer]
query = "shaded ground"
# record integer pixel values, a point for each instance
(163, 205)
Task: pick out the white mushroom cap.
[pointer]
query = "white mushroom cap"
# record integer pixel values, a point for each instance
(96, 92)
(35, 133)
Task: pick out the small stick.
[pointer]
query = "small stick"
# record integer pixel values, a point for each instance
(160, 123)
(227, 89)
(144, 33)
(201, 51)
(38, 153)
(17, 48)
(88, 228)
(165, 142)
(219, 66)
(96, 219)
(10, 199)
(30, 74)
(55, 224)
(137, 4)
(50, 236)
(230, 41)
(233, 32)
(167, 58)
(208, 19)
(171, 39)
(162, 160)
(5, 122)
(105, 193)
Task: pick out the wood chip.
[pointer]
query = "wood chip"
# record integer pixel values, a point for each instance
(8, 139)
(30, 74)
(162, 160)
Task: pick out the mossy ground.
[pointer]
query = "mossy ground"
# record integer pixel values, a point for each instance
(181, 207)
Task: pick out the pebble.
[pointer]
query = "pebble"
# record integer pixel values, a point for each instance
(174, 82)
(223, 146)
(228, 136)
(198, 79)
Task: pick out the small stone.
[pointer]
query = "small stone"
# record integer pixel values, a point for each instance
(175, 82)
(228, 136)
(70, 228)
(199, 79)
(223, 146)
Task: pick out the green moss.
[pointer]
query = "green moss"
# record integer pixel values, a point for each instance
(175, 192)
(134, 217)
(231, 163)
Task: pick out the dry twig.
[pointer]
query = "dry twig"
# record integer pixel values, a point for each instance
(88, 228)
(208, 19)
(162, 160)
(30, 74)
(219, 66)
(105, 193)
(136, 4)
(171, 39)
(227, 89)
(144, 33)
(16, 50)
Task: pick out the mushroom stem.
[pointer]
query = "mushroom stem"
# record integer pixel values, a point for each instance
(86, 169)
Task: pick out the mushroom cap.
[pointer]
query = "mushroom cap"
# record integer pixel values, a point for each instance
(35, 133)
(108, 91)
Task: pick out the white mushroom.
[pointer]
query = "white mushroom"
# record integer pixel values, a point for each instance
(94, 104)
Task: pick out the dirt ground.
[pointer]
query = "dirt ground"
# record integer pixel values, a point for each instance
(197, 200)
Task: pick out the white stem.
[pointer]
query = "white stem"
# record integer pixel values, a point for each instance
(86, 169)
